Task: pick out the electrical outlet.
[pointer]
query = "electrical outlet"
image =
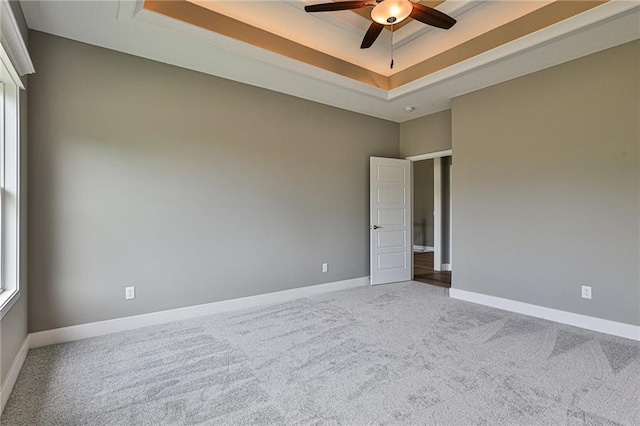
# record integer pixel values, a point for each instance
(586, 292)
(325, 267)
(130, 293)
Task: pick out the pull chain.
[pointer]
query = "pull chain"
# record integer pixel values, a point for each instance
(391, 46)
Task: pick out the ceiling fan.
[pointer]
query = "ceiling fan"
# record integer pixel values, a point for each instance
(388, 12)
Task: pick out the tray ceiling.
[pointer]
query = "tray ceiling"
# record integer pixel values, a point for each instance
(277, 45)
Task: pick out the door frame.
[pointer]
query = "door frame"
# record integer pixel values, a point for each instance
(437, 206)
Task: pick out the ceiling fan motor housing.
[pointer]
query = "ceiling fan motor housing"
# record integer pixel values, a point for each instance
(390, 12)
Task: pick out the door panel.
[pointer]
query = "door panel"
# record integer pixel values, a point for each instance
(392, 217)
(391, 243)
(391, 195)
(392, 261)
(391, 174)
(391, 239)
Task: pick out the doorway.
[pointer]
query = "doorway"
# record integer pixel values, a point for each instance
(432, 224)
(423, 271)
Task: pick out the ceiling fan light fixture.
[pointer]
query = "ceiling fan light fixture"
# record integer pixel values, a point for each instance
(391, 11)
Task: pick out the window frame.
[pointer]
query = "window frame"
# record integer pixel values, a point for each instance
(10, 147)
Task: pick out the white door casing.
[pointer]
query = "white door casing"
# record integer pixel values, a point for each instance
(437, 214)
(390, 220)
(437, 205)
(450, 215)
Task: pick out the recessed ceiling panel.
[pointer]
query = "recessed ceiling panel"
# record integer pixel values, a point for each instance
(327, 42)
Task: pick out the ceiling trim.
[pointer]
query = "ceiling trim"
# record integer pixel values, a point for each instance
(541, 18)
(191, 13)
(12, 42)
(523, 46)
(202, 17)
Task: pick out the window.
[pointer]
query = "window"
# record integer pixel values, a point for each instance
(10, 85)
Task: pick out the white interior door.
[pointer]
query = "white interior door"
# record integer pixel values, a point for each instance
(390, 222)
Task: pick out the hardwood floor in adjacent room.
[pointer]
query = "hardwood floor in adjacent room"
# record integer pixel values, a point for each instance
(424, 273)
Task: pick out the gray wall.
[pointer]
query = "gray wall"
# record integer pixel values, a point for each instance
(13, 327)
(431, 133)
(546, 187)
(423, 203)
(191, 188)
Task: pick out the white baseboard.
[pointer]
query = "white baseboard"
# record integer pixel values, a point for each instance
(94, 329)
(12, 376)
(446, 267)
(590, 323)
(422, 249)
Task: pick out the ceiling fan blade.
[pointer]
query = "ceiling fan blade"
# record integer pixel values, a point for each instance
(372, 34)
(342, 5)
(433, 17)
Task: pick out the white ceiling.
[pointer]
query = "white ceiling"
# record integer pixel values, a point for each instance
(124, 26)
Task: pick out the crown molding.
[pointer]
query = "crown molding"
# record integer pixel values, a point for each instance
(12, 40)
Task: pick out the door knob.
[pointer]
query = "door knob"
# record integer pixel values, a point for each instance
(376, 226)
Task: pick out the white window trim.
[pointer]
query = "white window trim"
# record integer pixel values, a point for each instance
(10, 235)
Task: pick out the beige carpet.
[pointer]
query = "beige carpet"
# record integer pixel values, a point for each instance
(395, 354)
